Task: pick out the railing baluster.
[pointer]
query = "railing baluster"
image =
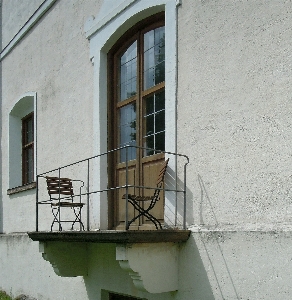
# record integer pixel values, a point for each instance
(127, 190)
(59, 210)
(185, 197)
(37, 204)
(88, 195)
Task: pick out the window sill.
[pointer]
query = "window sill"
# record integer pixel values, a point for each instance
(21, 188)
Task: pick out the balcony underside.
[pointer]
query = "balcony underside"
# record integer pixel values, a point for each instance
(111, 236)
(144, 254)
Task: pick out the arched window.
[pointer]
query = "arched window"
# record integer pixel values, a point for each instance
(22, 142)
(137, 110)
(110, 34)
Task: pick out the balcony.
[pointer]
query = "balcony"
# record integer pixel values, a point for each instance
(131, 230)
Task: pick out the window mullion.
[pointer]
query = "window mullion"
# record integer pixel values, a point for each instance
(140, 107)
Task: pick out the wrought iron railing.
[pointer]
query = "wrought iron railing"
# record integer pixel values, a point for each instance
(175, 187)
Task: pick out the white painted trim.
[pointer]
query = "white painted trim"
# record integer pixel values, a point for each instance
(102, 38)
(27, 26)
(93, 25)
(14, 169)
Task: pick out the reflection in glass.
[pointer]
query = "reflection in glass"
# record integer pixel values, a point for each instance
(29, 133)
(29, 164)
(127, 129)
(128, 72)
(154, 57)
(154, 123)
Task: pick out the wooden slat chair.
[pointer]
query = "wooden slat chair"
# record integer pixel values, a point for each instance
(62, 195)
(138, 201)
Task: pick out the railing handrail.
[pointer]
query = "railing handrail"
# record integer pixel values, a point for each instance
(111, 151)
(177, 189)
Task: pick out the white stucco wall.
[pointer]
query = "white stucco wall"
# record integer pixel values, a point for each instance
(233, 121)
(24, 271)
(14, 15)
(234, 103)
(212, 266)
(53, 61)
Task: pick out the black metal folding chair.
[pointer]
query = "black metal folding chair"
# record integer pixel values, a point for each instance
(138, 201)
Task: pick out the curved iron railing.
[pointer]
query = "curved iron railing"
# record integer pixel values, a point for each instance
(177, 187)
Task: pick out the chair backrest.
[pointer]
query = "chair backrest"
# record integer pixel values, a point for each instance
(161, 175)
(59, 186)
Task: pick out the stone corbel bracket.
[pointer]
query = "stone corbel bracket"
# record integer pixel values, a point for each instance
(152, 267)
(67, 259)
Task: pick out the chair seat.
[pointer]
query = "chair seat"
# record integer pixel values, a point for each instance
(138, 198)
(68, 204)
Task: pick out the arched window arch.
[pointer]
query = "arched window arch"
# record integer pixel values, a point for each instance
(103, 32)
(137, 111)
(22, 141)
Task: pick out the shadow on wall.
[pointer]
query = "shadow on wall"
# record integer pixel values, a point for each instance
(209, 243)
(205, 202)
(1, 200)
(177, 202)
(194, 282)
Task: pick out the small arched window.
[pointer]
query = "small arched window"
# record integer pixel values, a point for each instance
(22, 142)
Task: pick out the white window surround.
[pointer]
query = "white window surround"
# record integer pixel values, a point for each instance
(103, 31)
(24, 105)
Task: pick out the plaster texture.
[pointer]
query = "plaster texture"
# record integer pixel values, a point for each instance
(51, 60)
(212, 265)
(15, 16)
(234, 103)
(228, 90)
(24, 271)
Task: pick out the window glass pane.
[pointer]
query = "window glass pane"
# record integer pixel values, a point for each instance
(149, 143)
(148, 40)
(128, 72)
(127, 129)
(154, 122)
(154, 57)
(29, 130)
(160, 141)
(149, 105)
(30, 165)
(160, 121)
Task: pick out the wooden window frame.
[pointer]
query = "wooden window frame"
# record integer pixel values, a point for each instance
(135, 33)
(26, 146)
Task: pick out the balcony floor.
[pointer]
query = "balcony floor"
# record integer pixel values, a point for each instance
(112, 236)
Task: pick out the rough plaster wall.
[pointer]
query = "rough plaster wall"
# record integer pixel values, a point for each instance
(24, 271)
(106, 274)
(15, 14)
(52, 60)
(236, 265)
(234, 104)
(212, 266)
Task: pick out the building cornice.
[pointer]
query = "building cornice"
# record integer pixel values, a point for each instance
(45, 6)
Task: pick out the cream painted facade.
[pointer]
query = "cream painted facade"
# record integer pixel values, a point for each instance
(228, 103)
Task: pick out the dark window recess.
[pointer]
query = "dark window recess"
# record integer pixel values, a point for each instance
(27, 149)
(121, 297)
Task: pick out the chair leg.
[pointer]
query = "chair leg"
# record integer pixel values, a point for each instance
(56, 220)
(145, 213)
(77, 218)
